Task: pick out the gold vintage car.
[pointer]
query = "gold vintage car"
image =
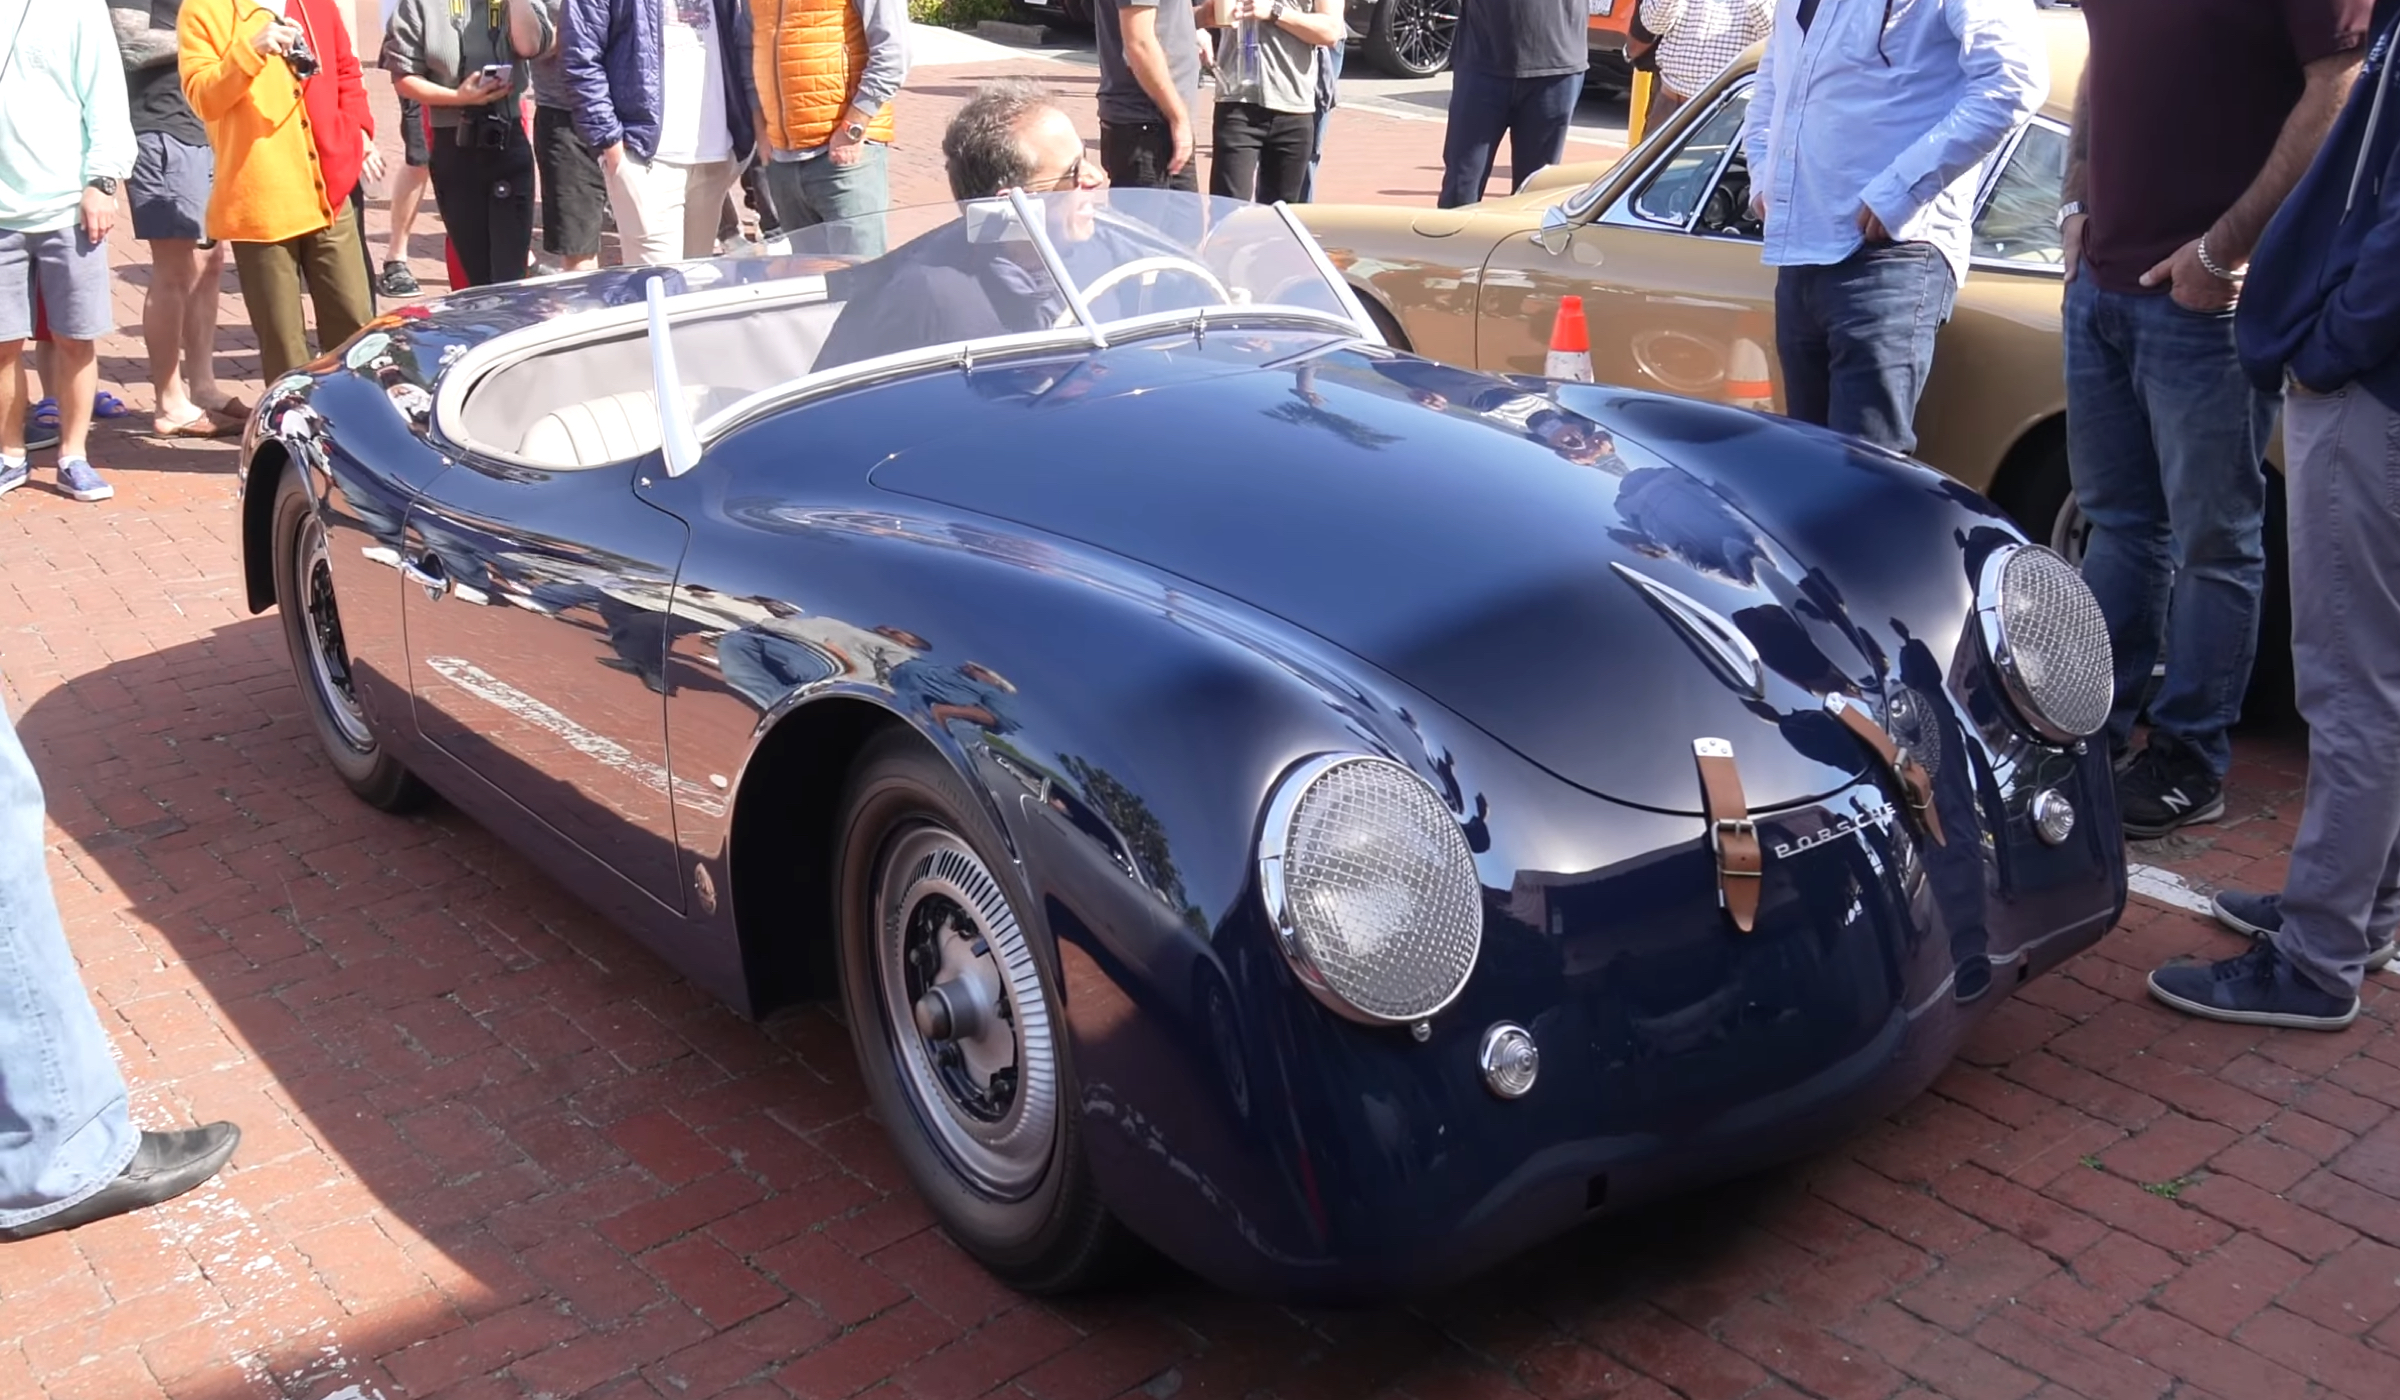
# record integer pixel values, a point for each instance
(1664, 252)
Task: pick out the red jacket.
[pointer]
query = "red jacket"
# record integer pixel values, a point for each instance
(338, 116)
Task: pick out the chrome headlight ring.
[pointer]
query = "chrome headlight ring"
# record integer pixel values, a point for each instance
(1371, 888)
(2047, 641)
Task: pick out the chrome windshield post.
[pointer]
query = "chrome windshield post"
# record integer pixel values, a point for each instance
(1034, 229)
(679, 441)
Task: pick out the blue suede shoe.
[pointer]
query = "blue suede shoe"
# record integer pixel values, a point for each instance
(14, 472)
(2256, 989)
(2260, 916)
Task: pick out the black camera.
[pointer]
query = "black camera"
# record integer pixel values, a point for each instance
(302, 58)
(485, 128)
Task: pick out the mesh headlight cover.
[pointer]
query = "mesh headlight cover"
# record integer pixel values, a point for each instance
(1372, 888)
(2046, 637)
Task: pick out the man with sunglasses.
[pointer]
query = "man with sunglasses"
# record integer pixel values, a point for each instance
(976, 277)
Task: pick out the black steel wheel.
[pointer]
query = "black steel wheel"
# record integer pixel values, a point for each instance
(312, 632)
(1412, 38)
(953, 1008)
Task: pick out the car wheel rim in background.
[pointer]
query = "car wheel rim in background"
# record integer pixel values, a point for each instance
(1422, 32)
(987, 1096)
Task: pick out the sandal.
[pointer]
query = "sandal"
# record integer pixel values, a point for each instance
(108, 405)
(202, 424)
(44, 414)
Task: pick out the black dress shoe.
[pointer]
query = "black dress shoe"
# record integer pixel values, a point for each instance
(165, 1166)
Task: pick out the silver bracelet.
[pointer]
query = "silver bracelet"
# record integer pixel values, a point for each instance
(2209, 264)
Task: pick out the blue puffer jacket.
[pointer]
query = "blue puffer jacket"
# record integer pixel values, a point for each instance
(611, 54)
(2323, 296)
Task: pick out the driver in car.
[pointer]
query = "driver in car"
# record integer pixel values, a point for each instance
(981, 276)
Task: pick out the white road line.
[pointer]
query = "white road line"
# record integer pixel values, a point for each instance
(2165, 887)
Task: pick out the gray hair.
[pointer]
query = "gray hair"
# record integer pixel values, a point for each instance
(982, 147)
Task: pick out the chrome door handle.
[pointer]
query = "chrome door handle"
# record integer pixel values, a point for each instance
(435, 585)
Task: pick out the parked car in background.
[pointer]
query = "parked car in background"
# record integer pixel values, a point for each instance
(1412, 38)
(1338, 817)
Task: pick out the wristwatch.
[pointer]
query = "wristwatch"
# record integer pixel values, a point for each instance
(856, 131)
(2068, 211)
(106, 184)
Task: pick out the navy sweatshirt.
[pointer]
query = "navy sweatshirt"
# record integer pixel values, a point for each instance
(2323, 295)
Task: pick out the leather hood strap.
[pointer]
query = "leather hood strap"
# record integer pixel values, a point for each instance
(1915, 784)
(1740, 861)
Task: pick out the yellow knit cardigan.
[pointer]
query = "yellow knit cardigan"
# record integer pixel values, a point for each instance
(266, 189)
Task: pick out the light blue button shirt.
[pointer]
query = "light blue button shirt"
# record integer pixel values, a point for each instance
(1833, 126)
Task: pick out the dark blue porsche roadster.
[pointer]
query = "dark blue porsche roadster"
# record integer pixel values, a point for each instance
(1335, 817)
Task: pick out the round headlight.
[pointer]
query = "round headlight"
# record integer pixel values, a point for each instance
(2044, 633)
(1370, 884)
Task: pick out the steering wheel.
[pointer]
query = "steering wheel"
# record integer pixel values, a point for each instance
(1123, 271)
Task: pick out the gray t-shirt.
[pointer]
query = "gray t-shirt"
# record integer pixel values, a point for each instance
(428, 40)
(1121, 96)
(550, 70)
(1287, 67)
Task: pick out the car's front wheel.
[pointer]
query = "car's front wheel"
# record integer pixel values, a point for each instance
(1412, 38)
(312, 633)
(953, 1008)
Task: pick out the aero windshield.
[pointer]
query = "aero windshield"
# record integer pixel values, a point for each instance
(961, 281)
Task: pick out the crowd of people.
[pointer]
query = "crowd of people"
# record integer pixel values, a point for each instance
(2230, 221)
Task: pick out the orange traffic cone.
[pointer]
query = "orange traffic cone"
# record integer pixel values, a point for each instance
(1748, 383)
(1570, 344)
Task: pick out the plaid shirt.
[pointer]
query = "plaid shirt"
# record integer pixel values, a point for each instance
(1698, 39)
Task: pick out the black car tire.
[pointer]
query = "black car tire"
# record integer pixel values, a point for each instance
(1055, 1236)
(379, 779)
(1076, 12)
(1412, 38)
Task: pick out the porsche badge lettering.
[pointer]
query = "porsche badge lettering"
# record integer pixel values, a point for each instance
(1878, 815)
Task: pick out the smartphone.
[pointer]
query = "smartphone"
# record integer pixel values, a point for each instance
(498, 72)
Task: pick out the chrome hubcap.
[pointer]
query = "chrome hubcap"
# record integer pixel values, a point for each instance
(964, 1008)
(328, 658)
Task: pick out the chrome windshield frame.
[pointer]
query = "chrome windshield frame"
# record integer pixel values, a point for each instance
(1038, 231)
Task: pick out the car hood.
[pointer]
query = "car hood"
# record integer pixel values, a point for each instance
(1565, 589)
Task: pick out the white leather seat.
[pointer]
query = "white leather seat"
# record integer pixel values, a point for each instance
(612, 428)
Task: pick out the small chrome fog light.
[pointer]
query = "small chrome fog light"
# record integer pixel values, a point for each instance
(2053, 816)
(1509, 1059)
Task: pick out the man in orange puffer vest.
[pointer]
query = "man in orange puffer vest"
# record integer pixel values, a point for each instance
(827, 71)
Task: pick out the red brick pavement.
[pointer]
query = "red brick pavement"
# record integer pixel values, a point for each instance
(494, 1149)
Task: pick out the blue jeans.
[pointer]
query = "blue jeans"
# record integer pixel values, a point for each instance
(1532, 112)
(1330, 57)
(64, 1132)
(1856, 339)
(2166, 439)
(816, 191)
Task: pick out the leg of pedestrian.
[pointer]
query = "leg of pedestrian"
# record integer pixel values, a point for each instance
(2210, 429)
(1234, 150)
(1541, 112)
(269, 274)
(2343, 483)
(334, 262)
(71, 1154)
(1881, 308)
(1801, 346)
(2113, 462)
(1479, 107)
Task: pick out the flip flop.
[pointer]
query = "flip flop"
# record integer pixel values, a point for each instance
(235, 409)
(108, 405)
(45, 414)
(203, 424)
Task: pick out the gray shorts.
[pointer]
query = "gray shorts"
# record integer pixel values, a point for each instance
(169, 188)
(70, 274)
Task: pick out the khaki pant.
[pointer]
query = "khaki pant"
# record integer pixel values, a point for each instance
(332, 264)
(668, 212)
